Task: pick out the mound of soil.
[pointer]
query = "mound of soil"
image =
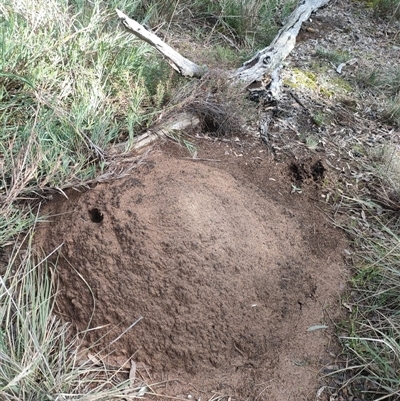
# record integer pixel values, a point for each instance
(226, 267)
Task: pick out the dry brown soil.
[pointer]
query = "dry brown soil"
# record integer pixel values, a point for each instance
(226, 266)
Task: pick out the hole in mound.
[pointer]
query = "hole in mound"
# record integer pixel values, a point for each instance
(95, 215)
(298, 172)
(317, 171)
(216, 119)
(211, 125)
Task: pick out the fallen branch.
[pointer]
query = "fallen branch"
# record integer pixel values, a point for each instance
(170, 129)
(179, 63)
(269, 59)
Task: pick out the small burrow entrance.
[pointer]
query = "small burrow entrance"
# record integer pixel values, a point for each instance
(305, 171)
(95, 215)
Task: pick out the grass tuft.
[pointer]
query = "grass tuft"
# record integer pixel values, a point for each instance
(387, 8)
(249, 24)
(333, 56)
(385, 83)
(373, 337)
(71, 83)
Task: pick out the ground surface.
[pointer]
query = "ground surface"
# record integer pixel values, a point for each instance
(228, 259)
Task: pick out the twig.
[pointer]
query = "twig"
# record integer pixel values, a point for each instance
(126, 330)
(201, 160)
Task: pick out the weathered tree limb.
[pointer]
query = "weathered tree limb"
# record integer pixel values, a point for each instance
(171, 129)
(270, 58)
(181, 64)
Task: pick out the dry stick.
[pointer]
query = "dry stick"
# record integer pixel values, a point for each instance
(195, 159)
(179, 63)
(126, 330)
(181, 122)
